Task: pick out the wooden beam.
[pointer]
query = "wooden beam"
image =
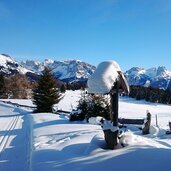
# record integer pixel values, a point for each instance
(111, 138)
(131, 121)
(114, 104)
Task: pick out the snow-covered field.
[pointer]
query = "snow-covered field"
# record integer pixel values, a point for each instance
(15, 139)
(49, 142)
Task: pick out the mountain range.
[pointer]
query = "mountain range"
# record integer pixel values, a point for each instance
(78, 71)
(157, 77)
(67, 71)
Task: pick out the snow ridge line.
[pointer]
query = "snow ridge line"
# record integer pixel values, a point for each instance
(5, 138)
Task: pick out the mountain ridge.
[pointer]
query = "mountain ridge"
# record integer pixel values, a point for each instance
(157, 77)
(73, 70)
(68, 70)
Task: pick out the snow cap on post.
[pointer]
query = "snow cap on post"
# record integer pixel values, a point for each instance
(104, 77)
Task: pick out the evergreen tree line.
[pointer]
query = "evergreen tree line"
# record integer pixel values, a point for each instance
(150, 94)
(44, 93)
(73, 86)
(20, 87)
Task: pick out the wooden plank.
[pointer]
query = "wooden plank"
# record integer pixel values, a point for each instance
(131, 121)
(62, 111)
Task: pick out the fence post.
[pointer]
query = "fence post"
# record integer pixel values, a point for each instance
(156, 121)
(111, 138)
(146, 129)
(170, 125)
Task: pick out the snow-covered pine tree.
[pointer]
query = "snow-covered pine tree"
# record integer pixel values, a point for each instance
(45, 95)
(93, 106)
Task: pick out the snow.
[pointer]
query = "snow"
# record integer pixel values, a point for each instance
(46, 141)
(48, 62)
(70, 100)
(107, 125)
(67, 70)
(23, 70)
(5, 59)
(14, 139)
(95, 120)
(102, 80)
(168, 73)
(152, 72)
(4, 62)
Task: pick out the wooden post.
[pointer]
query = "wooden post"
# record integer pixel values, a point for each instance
(111, 138)
(170, 125)
(156, 121)
(146, 129)
(169, 131)
(114, 104)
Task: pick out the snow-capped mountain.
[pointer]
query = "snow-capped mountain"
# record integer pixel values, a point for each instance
(69, 70)
(35, 66)
(155, 77)
(78, 71)
(9, 66)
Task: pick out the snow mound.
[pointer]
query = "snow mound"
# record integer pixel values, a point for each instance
(128, 138)
(101, 81)
(108, 125)
(95, 120)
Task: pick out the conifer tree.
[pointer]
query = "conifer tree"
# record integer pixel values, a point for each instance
(92, 106)
(45, 95)
(2, 85)
(63, 88)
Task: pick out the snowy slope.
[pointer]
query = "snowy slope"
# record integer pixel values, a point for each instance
(15, 140)
(62, 145)
(9, 66)
(34, 66)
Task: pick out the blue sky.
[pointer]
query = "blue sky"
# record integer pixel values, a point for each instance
(132, 32)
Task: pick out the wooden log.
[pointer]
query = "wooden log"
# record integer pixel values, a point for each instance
(111, 138)
(62, 111)
(114, 104)
(131, 121)
(168, 132)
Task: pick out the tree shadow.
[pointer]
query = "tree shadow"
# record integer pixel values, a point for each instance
(63, 120)
(53, 122)
(133, 159)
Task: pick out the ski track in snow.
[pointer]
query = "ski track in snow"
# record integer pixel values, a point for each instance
(14, 139)
(8, 131)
